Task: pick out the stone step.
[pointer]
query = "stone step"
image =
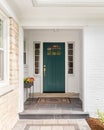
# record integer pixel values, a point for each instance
(53, 116)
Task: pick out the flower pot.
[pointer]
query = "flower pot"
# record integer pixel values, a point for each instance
(27, 85)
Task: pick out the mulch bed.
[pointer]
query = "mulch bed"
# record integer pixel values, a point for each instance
(95, 124)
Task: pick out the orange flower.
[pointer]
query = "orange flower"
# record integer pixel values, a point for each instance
(29, 80)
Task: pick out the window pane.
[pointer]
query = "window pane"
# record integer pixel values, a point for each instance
(24, 57)
(37, 46)
(1, 33)
(70, 46)
(70, 64)
(70, 58)
(70, 71)
(70, 52)
(24, 46)
(36, 58)
(36, 71)
(36, 52)
(36, 64)
(1, 64)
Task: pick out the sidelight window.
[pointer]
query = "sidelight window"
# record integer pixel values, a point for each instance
(37, 57)
(70, 58)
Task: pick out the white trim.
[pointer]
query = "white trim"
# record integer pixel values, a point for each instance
(3, 16)
(1, 49)
(41, 67)
(9, 11)
(66, 67)
(84, 84)
(6, 89)
(54, 27)
(101, 4)
(58, 3)
(21, 70)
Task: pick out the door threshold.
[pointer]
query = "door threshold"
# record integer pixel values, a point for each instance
(70, 95)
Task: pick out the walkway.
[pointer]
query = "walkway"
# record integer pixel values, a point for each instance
(52, 124)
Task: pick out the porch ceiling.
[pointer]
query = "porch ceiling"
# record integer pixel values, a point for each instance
(57, 10)
(68, 8)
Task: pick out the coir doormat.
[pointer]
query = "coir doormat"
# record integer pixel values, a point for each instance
(54, 100)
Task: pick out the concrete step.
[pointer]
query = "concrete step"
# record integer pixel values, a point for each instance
(80, 115)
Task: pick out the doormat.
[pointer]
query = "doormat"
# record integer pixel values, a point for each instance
(54, 100)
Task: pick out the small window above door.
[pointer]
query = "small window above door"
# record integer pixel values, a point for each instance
(54, 50)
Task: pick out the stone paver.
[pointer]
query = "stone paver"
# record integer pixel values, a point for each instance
(52, 124)
(74, 105)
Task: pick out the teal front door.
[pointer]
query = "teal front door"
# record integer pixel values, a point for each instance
(53, 67)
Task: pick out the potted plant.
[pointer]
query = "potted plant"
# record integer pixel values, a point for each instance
(28, 81)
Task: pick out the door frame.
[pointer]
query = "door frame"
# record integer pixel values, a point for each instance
(66, 61)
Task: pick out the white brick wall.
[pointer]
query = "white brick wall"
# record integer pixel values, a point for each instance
(94, 69)
(9, 101)
(14, 51)
(8, 110)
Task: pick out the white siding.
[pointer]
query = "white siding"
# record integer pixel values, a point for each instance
(94, 69)
(74, 81)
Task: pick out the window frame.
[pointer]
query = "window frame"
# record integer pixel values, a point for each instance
(73, 55)
(39, 71)
(5, 48)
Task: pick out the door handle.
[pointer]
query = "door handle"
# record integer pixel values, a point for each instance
(44, 70)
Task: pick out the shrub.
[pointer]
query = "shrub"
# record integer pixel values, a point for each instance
(100, 116)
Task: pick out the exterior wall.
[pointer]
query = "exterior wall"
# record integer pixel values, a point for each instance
(14, 50)
(94, 69)
(8, 110)
(9, 100)
(74, 81)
